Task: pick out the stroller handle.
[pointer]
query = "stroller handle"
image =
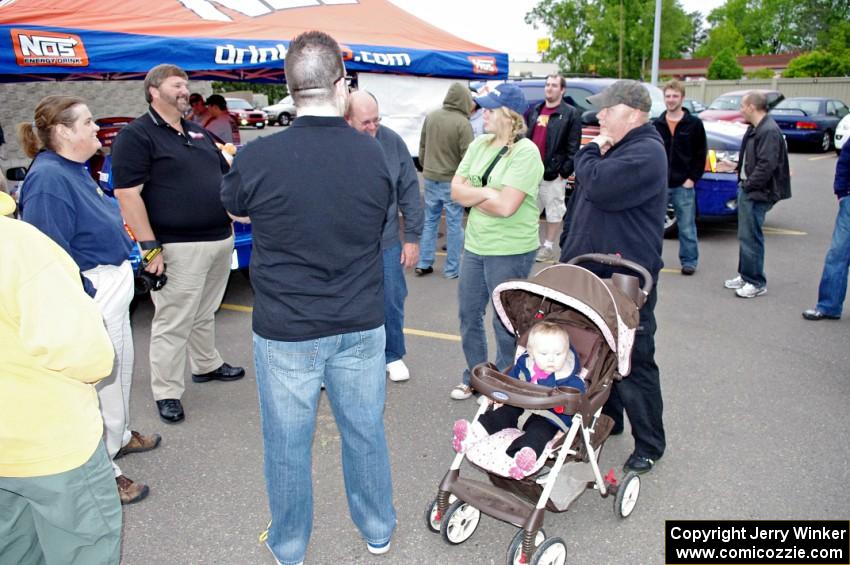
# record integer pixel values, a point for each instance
(502, 388)
(614, 260)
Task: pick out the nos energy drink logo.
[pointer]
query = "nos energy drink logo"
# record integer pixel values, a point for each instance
(36, 48)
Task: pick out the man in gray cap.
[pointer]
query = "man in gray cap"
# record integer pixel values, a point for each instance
(618, 207)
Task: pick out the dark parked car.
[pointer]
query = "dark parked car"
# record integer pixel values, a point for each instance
(727, 106)
(578, 89)
(810, 121)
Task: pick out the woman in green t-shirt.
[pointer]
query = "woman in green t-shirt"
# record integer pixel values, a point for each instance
(498, 179)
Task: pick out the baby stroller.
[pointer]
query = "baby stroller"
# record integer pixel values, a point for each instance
(600, 316)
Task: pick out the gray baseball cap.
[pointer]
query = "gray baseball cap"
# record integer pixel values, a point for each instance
(628, 92)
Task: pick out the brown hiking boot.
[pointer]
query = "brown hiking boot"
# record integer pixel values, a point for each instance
(139, 443)
(130, 492)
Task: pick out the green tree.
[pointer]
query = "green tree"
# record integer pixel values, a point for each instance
(723, 36)
(761, 73)
(274, 92)
(781, 26)
(586, 34)
(699, 34)
(725, 67)
(817, 64)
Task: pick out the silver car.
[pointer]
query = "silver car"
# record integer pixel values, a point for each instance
(283, 112)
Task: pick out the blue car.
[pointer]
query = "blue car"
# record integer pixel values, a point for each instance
(716, 191)
(811, 121)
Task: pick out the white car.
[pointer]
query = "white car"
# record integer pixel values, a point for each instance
(283, 112)
(842, 132)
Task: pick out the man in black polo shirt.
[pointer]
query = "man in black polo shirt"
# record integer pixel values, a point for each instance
(167, 173)
(318, 297)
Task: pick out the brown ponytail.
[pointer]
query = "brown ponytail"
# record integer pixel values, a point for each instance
(50, 112)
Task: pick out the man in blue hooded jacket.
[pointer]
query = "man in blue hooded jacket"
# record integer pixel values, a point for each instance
(618, 207)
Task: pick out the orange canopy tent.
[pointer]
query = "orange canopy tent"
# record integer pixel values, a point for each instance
(242, 40)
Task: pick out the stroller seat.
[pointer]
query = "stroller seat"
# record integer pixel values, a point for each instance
(490, 453)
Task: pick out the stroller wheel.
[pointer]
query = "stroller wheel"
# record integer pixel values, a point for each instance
(553, 551)
(459, 522)
(515, 548)
(627, 495)
(432, 518)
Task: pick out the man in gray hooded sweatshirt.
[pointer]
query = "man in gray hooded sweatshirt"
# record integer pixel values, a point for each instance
(446, 134)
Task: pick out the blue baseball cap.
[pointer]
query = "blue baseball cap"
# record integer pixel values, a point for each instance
(508, 95)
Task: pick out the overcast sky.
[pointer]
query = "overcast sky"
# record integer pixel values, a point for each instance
(499, 25)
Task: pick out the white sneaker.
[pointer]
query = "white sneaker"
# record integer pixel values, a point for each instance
(398, 371)
(378, 549)
(735, 283)
(461, 392)
(750, 291)
(545, 254)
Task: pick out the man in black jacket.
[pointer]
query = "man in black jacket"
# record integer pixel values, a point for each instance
(763, 180)
(555, 127)
(618, 207)
(684, 141)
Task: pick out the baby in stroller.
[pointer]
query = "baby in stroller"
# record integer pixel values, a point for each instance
(550, 361)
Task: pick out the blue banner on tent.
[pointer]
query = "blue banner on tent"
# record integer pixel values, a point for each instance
(47, 53)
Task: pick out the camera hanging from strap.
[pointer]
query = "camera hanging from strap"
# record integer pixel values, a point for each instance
(486, 176)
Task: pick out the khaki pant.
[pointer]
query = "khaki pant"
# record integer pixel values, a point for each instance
(184, 317)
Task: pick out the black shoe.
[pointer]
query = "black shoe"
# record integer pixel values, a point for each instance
(170, 410)
(816, 315)
(638, 464)
(688, 270)
(423, 272)
(223, 373)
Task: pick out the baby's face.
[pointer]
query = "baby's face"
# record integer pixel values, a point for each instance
(549, 352)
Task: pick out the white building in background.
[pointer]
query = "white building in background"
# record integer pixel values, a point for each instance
(525, 69)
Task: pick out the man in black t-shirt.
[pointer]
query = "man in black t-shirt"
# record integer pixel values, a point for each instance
(318, 297)
(167, 172)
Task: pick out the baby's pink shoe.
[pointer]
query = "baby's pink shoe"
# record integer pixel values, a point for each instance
(465, 435)
(524, 462)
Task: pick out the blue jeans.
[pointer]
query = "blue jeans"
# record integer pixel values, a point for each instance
(751, 252)
(289, 380)
(479, 275)
(833, 281)
(395, 291)
(685, 206)
(437, 196)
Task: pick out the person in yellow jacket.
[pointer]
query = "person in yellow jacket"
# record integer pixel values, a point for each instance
(58, 501)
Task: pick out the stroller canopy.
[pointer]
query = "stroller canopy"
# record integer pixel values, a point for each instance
(609, 309)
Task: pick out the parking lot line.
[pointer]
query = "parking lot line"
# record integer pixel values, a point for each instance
(237, 307)
(408, 331)
(435, 335)
(828, 156)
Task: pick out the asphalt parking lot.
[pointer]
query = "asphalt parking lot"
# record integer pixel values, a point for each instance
(755, 410)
